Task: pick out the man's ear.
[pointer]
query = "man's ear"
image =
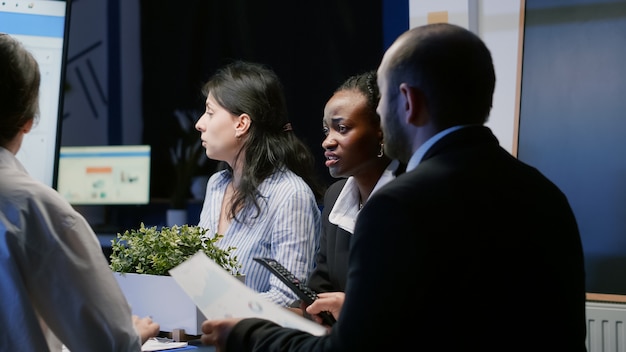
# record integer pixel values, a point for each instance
(242, 125)
(414, 105)
(28, 126)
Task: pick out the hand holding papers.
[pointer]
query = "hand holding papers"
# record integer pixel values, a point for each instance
(218, 294)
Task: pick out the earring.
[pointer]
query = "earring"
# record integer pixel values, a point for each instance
(381, 152)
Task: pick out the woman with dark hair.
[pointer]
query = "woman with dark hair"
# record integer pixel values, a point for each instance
(354, 153)
(265, 202)
(57, 288)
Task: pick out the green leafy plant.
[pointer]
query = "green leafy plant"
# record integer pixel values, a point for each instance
(148, 250)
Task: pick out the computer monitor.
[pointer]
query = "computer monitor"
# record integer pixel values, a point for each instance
(42, 27)
(104, 175)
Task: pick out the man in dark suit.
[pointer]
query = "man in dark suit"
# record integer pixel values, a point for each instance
(470, 248)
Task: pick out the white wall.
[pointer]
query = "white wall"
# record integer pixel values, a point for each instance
(497, 23)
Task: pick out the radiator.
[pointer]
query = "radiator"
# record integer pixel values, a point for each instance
(606, 330)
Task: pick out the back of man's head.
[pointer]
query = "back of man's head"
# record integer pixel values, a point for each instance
(19, 87)
(453, 68)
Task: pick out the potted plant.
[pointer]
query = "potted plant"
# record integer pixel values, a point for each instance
(187, 157)
(141, 259)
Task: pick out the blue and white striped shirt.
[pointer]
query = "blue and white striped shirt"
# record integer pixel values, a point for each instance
(287, 229)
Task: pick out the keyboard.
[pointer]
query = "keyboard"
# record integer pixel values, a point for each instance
(305, 293)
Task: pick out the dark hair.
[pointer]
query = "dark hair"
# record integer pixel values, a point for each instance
(251, 88)
(454, 69)
(366, 84)
(19, 87)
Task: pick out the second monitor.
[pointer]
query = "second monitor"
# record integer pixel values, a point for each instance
(104, 175)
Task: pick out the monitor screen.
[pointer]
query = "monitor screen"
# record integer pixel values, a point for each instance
(42, 27)
(101, 175)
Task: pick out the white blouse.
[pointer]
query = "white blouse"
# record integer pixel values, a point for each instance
(346, 206)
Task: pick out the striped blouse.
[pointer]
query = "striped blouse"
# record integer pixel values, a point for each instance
(287, 229)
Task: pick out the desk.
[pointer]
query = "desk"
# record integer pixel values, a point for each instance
(201, 347)
(192, 340)
(193, 346)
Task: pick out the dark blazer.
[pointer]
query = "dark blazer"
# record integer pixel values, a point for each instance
(471, 249)
(331, 269)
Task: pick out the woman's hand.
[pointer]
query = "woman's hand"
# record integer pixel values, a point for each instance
(326, 302)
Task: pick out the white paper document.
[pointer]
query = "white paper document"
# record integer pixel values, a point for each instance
(156, 344)
(218, 294)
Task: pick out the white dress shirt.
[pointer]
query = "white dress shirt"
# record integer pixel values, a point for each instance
(347, 205)
(54, 278)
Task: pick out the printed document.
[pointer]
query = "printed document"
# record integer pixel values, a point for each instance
(218, 294)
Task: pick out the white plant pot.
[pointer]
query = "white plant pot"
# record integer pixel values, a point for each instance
(161, 298)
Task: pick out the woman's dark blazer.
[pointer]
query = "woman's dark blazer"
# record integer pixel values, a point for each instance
(332, 259)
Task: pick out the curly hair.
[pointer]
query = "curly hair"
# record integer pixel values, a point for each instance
(366, 84)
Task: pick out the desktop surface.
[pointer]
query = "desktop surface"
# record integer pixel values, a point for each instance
(200, 346)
